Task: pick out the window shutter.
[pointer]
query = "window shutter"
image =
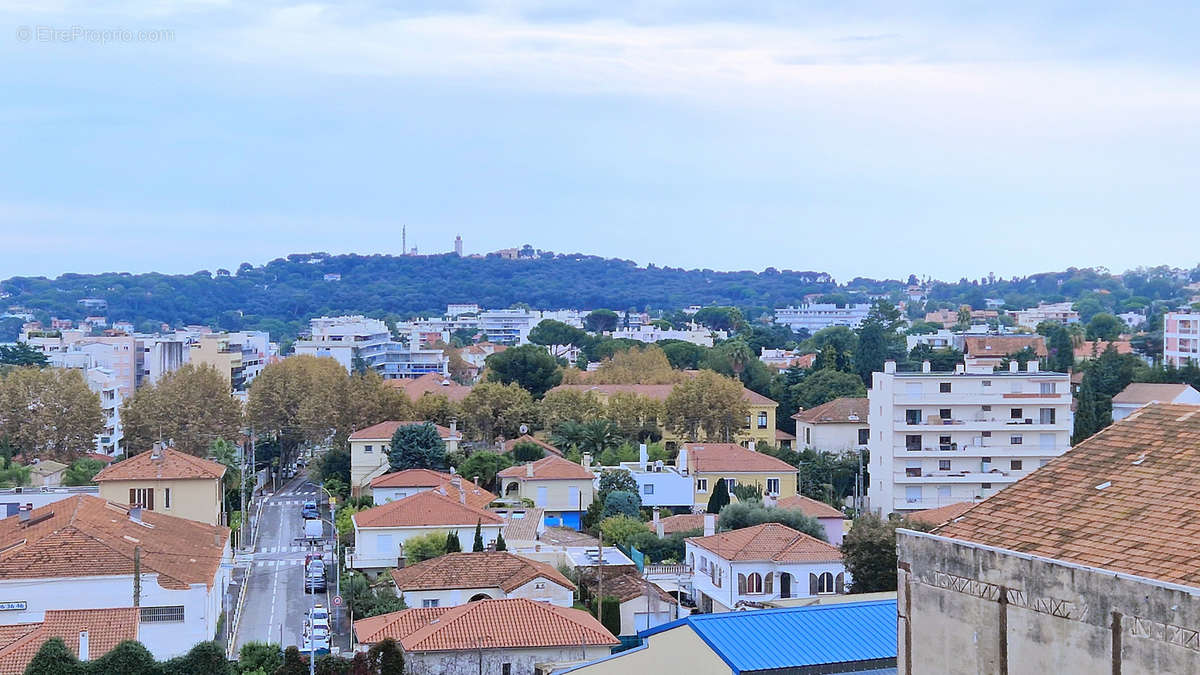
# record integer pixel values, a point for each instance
(769, 583)
(149, 499)
(812, 584)
(132, 497)
(840, 584)
(741, 584)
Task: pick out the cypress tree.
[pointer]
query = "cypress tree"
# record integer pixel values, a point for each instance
(452, 543)
(478, 546)
(719, 498)
(500, 545)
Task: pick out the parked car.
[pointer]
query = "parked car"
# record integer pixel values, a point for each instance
(318, 617)
(314, 576)
(313, 528)
(310, 510)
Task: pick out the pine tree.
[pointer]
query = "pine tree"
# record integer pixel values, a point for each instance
(452, 543)
(478, 546)
(500, 545)
(719, 498)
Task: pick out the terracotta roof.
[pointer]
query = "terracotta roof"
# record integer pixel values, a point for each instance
(1141, 393)
(13, 632)
(85, 535)
(430, 383)
(781, 435)
(682, 523)
(507, 623)
(838, 411)
(942, 514)
(809, 507)
(106, 628)
(495, 569)
(1123, 500)
(550, 467)
(165, 464)
(385, 430)
(394, 625)
(732, 458)
(508, 445)
(99, 457)
(428, 478)
(47, 467)
(659, 392)
(430, 508)
(1086, 349)
(769, 541)
(1002, 345)
(626, 585)
(524, 528)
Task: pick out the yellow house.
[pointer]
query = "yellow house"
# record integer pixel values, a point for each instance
(167, 481)
(760, 418)
(369, 451)
(710, 462)
(562, 488)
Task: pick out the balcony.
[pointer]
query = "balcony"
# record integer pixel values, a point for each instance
(919, 477)
(979, 423)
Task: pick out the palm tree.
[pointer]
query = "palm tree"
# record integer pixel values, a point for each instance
(739, 354)
(569, 434)
(599, 436)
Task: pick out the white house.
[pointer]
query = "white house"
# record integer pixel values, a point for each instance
(380, 532)
(509, 636)
(838, 425)
(400, 484)
(740, 569)
(650, 334)
(660, 484)
(1141, 394)
(78, 553)
(369, 449)
(831, 519)
(814, 317)
(458, 578)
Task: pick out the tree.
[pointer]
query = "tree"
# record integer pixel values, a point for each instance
(644, 365)
(190, 407)
(598, 436)
(634, 416)
(1061, 351)
(477, 546)
(48, 413)
(386, 657)
(493, 409)
(527, 452)
(750, 513)
(53, 658)
(436, 408)
(728, 319)
(1104, 326)
(424, 547)
(682, 355)
(601, 321)
(708, 405)
(501, 545)
(333, 464)
(615, 480)
(128, 658)
(260, 656)
(484, 465)
(719, 498)
(739, 355)
(872, 350)
(611, 613)
(204, 657)
(529, 366)
(82, 471)
(21, 354)
(619, 529)
(417, 446)
(568, 405)
(620, 502)
(551, 333)
(869, 552)
(825, 385)
(293, 663)
(453, 545)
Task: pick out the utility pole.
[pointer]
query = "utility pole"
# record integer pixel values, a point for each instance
(242, 492)
(600, 582)
(137, 576)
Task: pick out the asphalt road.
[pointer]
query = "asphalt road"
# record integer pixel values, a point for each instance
(276, 603)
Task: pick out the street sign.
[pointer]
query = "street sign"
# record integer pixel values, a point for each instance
(337, 601)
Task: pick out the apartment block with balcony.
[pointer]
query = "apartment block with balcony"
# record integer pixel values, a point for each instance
(938, 438)
(348, 338)
(1181, 338)
(815, 316)
(508, 326)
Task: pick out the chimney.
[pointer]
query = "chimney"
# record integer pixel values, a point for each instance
(681, 461)
(453, 427)
(452, 471)
(658, 525)
(476, 481)
(710, 524)
(529, 470)
(23, 513)
(926, 367)
(1013, 366)
(1031, 366)
(84, 649)
(135, 513)
(960, 368)
(586, 460)
(889, 366)
(456, 481)
(643, 456)
(156, 450)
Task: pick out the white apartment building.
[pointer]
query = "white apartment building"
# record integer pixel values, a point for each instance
(939, 438)
(1181, 338)
(453, 310)
(159, 355)
(942, 339)
(345, 338)
(1058, 312)
(695, 335)
(813, 317)
(508, 326)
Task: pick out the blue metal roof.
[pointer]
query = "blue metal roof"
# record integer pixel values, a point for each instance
(797, 636)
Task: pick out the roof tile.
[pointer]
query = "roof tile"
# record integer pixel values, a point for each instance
(492, 569)
(165, 464)
(769, 541)
(430, 508)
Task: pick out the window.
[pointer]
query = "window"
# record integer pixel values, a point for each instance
(703, 564)
(987, 408)
(912, 442)
(701, 485)
(1015, 387)
(943, 492)
(539, 585)
(1046, 441)
(762, 420)
(383, 543)
(648, 489)
(429, 602)
(943, 440)
(944, 413)
(1016, 413)
(1015, 439)
(987, 383)
(164, 614)
(912, 468)
(730, 483)
(1047, 387)
(1015, 465)
(1046, 416)
(368, 448)
(986, 434)
(506, 669)
(166, 498)
(944, 387)
(808, 435)
(864, 436)
(754, 583)
(943, 465)
(143, 497)
(825, 583)
(986, 486)
(773, 486)
(912, 416)
(912, 494)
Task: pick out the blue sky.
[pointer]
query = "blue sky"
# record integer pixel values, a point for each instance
(859, 138)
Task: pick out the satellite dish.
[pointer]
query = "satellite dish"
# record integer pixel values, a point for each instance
(524, 428)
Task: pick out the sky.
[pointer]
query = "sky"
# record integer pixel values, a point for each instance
(875, 139)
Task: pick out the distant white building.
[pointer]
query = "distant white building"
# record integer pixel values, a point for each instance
(347, 338)
(813, 317)
(942, 339)
(1133, 319)
(1141, 394)
(1181, 338)
(697, 336)
(659, 484)
(508, 326)
(1058, 312)
(456, 309)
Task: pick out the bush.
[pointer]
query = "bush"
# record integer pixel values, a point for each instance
(417, 446)
(386, 658)
(424, 547)
(622, 503)
(128, 658)
(527, 452)
(612, 613)
(260, 656)
(53, 658)
(484, 465)
(618, 530)
(747, 514)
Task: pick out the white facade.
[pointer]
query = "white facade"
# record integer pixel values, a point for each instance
(1181, 338)
(538, 589)
(814, 317)
(947, 437)
(453, 310)
(105, 384)
(697, 336)
(942, 339)
(716, 581)
(381, 547)
(1058, 312)
(346, 337)
(508, 326)
(831, 436)
(658, 484)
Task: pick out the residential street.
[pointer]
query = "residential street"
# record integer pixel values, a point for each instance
(275, 602)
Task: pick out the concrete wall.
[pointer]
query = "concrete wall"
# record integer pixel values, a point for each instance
(550, 591)
(969, 609)
(198, 500)
(678, 650)
(472, 662)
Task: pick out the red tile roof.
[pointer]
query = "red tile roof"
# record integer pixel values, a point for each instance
(732, 458)
(1123, 500)
(1140, 393)
(624, 585)
(550, 467)
(385, 430)
(85, 535)
(106, 628)
(942, 514)
(430, 508)
(509, 445)
(427, 478)
(838, 411)
(781, 435)
(1088, 350)
(165, 464)
(769, 541)
(431, 383)
(494, 569)
(809, 507)
(659, 392)
(507, 623)
(682, 522)
(1002, 345)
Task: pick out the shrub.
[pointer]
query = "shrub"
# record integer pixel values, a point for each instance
(622, 503)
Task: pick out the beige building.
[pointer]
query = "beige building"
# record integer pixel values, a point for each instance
(369, 451)
(167, 481)
(215, 350)
(711, 462)
(559, 486)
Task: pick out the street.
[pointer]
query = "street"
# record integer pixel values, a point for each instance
(276, 603)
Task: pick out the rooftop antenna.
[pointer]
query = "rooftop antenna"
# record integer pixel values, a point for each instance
(403, 240)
